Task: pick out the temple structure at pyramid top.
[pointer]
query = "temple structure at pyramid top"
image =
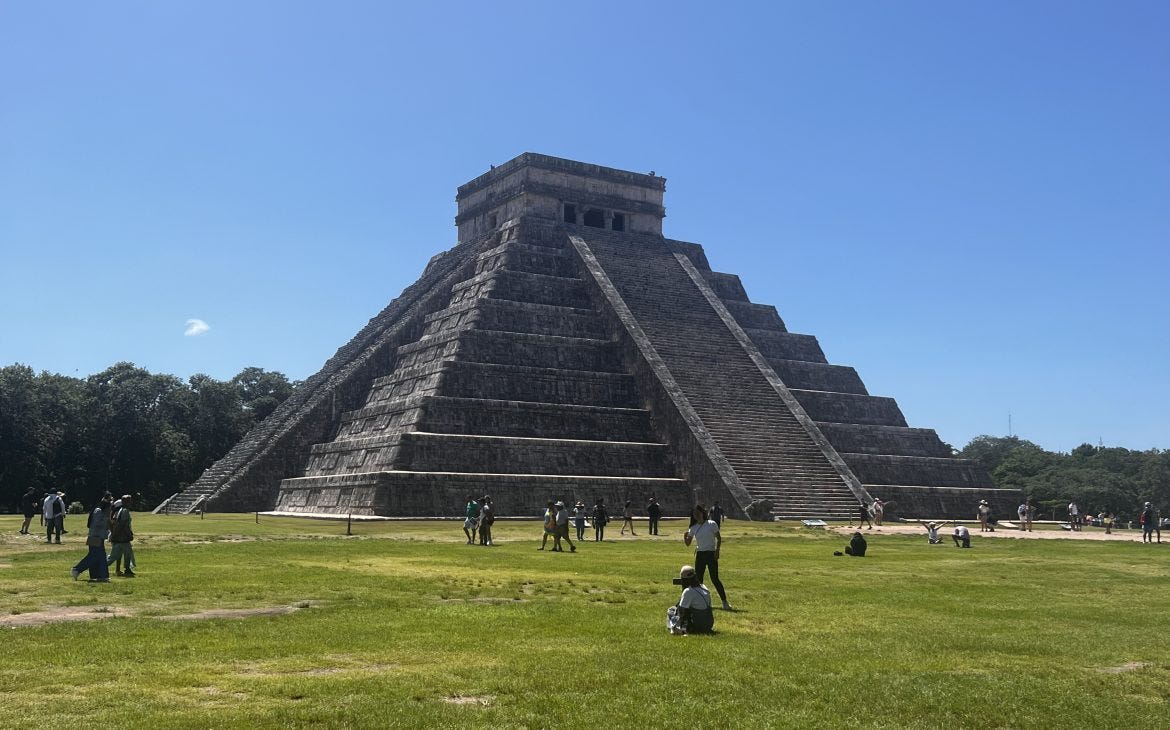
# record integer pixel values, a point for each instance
(558, 190)
(565, 349)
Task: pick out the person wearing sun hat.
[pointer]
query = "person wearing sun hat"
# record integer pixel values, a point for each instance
(984, 514)
(692, 614)
(562, 528)
(932, 529)
(579, 520)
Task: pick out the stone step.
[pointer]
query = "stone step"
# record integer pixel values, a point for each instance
(786, 345)
(804, 375)
(539, 385)
(757, 316)
(726, 286)
(552, 420)
(542, 351)
(896, 440)
(425, 494)
(516, 256)
(462, 453)
(509, 316)
(522, 287)
(939, 472)
(849, 408)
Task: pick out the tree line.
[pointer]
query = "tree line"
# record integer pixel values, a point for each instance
(1098, 478)
(128, 430)
(123, 429)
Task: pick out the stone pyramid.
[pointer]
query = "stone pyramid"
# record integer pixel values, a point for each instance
(566, 349)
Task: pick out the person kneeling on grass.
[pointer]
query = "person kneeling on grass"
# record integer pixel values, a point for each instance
(692, 614)
(962, 536)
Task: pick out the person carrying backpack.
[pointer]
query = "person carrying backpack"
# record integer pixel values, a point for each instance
(53, 509)
(120, 537)
(1147, 519)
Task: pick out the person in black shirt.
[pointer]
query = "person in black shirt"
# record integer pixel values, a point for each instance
(654, 513)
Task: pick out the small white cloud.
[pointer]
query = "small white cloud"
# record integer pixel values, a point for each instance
(196, 327)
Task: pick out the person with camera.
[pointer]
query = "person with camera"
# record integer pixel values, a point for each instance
(704, 532)
(692, 614)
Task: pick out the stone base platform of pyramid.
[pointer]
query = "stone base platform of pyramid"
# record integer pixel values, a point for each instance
(566, 349)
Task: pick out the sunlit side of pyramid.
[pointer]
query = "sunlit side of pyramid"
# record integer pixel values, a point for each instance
(566, 349)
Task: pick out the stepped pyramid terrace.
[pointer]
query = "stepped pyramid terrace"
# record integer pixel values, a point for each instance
(565, 348)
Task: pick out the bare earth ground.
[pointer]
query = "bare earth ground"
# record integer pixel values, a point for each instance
(1045, 532)
(58, 614)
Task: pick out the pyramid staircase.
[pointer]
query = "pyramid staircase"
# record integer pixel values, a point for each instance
(909, 468)
(773, 453)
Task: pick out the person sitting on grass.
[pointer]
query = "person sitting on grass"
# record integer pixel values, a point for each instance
(692, 614)
(856, 546)
(932, 535)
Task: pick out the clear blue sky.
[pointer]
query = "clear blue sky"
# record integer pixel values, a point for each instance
(968, 202)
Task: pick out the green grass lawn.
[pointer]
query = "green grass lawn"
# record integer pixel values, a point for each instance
(403, 624)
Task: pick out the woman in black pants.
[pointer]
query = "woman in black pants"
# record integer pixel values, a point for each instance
(705, 534)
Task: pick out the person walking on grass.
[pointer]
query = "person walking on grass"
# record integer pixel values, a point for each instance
(862, 516)
(717, 514)
(562, 528)
(628, 518)
(120, 537)
(53, 510)
(95, 560)
(550, 525)
(1074, 516)
(984, 515)
(600, 517)
(470, 522)
(29, 504)
(1148, 520)
(704, 532)
(579, 520)
(487, 516)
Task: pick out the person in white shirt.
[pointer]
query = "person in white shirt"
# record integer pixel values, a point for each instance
(962, 536)
(561, 521)
(704, 533)
(693, 613)
(932, 532)
(53, 509)
(1074, 515)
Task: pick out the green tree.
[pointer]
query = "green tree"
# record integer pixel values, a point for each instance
(261, 391)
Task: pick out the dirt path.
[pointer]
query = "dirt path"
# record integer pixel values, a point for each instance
(1011, 533)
